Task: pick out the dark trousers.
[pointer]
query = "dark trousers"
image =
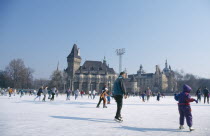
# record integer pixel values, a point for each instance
(119, 101)
(206, 97)
(53, 95)
(101, 99)
(199, 98)
(185, 112)
(44, 97)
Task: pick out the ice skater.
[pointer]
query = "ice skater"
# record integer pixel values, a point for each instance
(119, 91)
(39, 94)
(143, 96)
(45, 91)
(89, 95)
(53, 93)
(93, 93)
(21, 93)
(103, 98)
(184, 99)
(10, 92)
(109, 97)
(68, 93)
(76, 93)
(148, 93)
(198, 94)
(206, 95)
(158, 96)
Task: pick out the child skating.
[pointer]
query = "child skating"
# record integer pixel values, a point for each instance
(184, 99)
(103, 97)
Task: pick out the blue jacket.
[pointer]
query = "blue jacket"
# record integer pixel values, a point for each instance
(119, 86)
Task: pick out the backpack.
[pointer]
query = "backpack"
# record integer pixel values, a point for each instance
(176, 97)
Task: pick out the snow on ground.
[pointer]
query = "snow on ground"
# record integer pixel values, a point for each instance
(24, 117)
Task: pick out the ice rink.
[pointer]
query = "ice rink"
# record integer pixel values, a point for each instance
(24, 117)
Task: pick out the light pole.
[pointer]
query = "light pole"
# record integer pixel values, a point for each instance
(120, 53)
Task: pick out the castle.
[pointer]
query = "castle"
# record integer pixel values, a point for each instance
(93, 75)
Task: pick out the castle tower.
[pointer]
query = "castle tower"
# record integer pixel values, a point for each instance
(74, 61)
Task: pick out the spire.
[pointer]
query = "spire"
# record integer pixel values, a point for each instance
(75, 52)
(58, 66)
(166, 64)
(169, 67)
(104, 61)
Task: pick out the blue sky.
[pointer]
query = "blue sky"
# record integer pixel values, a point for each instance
(42, 32)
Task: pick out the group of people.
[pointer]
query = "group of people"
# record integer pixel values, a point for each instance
(148, 94)
(205, 93)
(45, 91)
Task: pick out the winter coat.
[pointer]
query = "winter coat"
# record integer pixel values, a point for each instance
(45, 91)
(39, 92)
(148, 92)
(103, 94)
(205, 91)
(53, 90)
(119, 86)
(184, 97)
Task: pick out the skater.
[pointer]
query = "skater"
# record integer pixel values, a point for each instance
(76, 93)
(10, 92)
(14, 92)
(93, 93)
(198, 94)
(206, 95)
(45, 91)
(89, 95)
(82, 93)
(50, 94)
(103, 97)
(148, 93)
(184, 99)
(118, 91)
(53, 93)
(109, 97)
(56, 92)
(68, 93)
(158, 96)
(21, 93)
(39, 94)
(143, 96)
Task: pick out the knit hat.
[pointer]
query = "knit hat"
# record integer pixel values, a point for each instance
(187, 88)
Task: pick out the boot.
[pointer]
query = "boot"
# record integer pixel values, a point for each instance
(181, 127)
(191, 129)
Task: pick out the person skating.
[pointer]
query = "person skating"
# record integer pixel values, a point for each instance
(10, 92)
(184, 99)
(76, 93)
(109, 97)
(198, 94)
(158, 96)
(39, 94)
(93, 93)
(119, 91)
(89, 95)
(21, 93)
(53, 93)
(148, 93)
(68, 93)
(82, 93)
(45, 91)
(103, 98)
(206, 95)
(143, 96)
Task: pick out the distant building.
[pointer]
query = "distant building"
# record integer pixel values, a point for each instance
(163, 81)
(93, 75)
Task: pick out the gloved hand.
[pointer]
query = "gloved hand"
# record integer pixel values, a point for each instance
(196, 101)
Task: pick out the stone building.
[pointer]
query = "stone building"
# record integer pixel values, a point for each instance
(161, 80)
(92, 75)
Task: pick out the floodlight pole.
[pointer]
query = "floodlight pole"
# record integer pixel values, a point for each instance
(120, 53)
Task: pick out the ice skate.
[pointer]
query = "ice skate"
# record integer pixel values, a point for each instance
(191, 129)
(118, 120)
(97, 106)
(105, 107)
(181, 127)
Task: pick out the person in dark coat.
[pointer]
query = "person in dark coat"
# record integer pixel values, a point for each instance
(158, 96)
(206, 95)
(198, 94)
(39, 94)
(68, 93)
(184, 99)
(119, 91)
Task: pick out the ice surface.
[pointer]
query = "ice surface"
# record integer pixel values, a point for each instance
(24, 117)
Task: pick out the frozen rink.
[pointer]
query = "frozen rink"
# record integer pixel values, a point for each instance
(24, 117)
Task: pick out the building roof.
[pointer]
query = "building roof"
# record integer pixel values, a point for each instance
(95, 67)
(133, 79)
(74, 52)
